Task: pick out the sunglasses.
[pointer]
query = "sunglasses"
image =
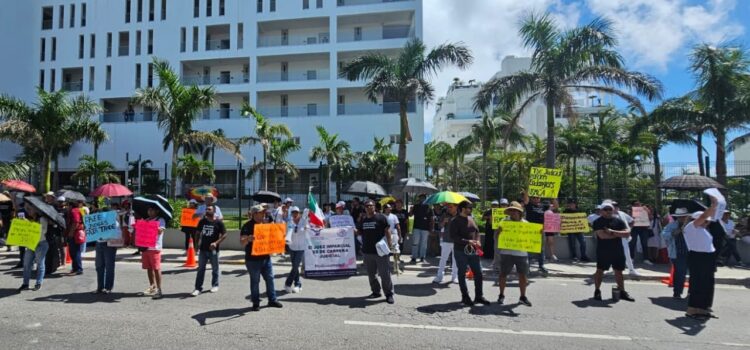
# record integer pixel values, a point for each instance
(607, 209)
(370, 205)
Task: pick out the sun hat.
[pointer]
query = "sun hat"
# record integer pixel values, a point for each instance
(679, 212)
(61, 199)
(514, 206)
(340, 204)
(257, 208)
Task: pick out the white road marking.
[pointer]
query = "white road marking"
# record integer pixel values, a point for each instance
(34, 325)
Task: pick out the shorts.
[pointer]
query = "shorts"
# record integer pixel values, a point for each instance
(508, 261)
(151, 260)
(607, 259)
(550, 234)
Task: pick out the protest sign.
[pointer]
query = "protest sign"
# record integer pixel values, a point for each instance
(101, 226)
(522, 236)
(551, 221)
(574, 223)
(341, 221)
(146, 233)
(269, 239)
(498, 214)
(721, 202)
(187, 219)
(330, 252)
(544, 182)
(640, 217)
(24, 233)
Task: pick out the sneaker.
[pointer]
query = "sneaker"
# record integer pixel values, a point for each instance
(23, 287)
(554, 258)
(149, 291)
(98, 291)
(598, 295)
(635, 273)
(195, 293)
(467, 301)
(374, 296)
(106, 291)
(585, 259)
(255, 307)
(575, 259)
(389, 299)
(413, 261)
(296, 289)
(501, 299)
(436, 282)
(421, 260)
(275, 304)
(37, 287)
(455, 281)
(214, 290)
(288, 289)
(481, 300)
(677, 296)
(648, 262)
(625, 296)
(137, 252)
(543, 271)
(524, 300)
(157, 294)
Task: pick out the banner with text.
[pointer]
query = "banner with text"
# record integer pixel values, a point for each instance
(544, 182)
(331, 253)
(24, 233)
(187, 219)
(551, 221)
(269, 239)
(146, 233)
(101, 226)
(574, 223)
(640, 217)
(341, 221)
(521, 236)
(498, 214)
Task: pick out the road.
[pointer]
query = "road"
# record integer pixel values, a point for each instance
(333, 314)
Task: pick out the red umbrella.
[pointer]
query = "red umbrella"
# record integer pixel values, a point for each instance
(111, 190)
(18, 185)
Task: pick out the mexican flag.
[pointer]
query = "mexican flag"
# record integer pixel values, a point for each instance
(315, 214)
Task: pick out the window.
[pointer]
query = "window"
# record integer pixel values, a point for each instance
(163, 10)
(305, 4)
(109, 44)
(240, 35)
(51, 80)
(394, 138)
(183, 34)
(139, 11)
(260, 6)
(150, 50)
(273, 6)
(195, 39)
(150, 75)
(137, 42)
(124, 44)
(209, 8)
(72, 15)
(151, 10)
(221, 8)
(92, 78)
(357, 33)
(42, 50)
(137, 75)
(80, 47)
(61, 17)
(92, 48)
(47, 17)
(319, 4)
(127, 11)
(108, 81)
(41, 78)
(83, 15)
(54, 49)
(196, 8)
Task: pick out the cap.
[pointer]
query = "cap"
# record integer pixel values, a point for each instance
(193, 201)
(209, 195)
(293, 209)
(61, 199)
(504, 201)
(369, 201)
(50, 193)
(387, 205)
(288, 200)
(495, 203)
(257, 208)
(607, 205)
(340, 204)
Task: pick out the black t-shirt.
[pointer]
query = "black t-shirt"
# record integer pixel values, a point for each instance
(460, 230)
(247, 230)
(357, 212)
(487, 222)
(422, 214)
(373, 230)
(609, 245)
(403, 219)
(6, 211)
(210, 232)
(535, 212)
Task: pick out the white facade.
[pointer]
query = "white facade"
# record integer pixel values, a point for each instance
(281, 56)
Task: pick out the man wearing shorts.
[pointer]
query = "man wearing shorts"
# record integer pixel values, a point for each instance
(610, 230)
(510, 258)
(151, 257)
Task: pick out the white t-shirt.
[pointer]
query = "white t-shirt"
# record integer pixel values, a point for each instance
(729, 228)
(698, 239)
(201, 210)
(392, 223)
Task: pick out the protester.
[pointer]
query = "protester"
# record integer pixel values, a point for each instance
(209, 199)
(610, 252)
(296, 239)
(535, 213)
(259, 265)
(655, 243)
(281, 214)
(56, 239)
(106, 251)
(394, 226)
(6, 215)
(76, 238)
(510, 258)
(191, 232)
(327, 212)
(446, 245)
(640, 233)
(37, 255)
(571, 207)
(373, 228)
(424, 222)
(677, 249)
(730, 249)
(212, 232)
(549, 237)
(465, 235)
(403, 222)
(701, 262)
(489, 233)
(628, 220)
(151, 257)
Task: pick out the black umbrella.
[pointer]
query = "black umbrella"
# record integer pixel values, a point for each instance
(141, 205)
(470, 196)
(690, 183)
(71, 196)
(366, 188)
(417, 186)
(266, 197)
(45, 209)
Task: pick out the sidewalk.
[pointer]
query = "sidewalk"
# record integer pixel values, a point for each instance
(564, 269)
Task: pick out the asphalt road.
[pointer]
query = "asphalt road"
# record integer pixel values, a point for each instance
(333, 314)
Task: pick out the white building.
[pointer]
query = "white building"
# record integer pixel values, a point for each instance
(281, 56)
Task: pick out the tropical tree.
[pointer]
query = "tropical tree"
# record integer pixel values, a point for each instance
(436, 158)
(265, 133)
(376, 165)
(177, 107)
(89, 167)
(405, 79)
(688, 113)
(563, 61)
(334, 151)
(192, 170)
(574, 142)
(15, 170)
(48, 128)
(277, 156)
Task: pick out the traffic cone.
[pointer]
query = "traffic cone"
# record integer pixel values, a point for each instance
(190, 261)
(470, 274)
(67, 256)
(669, 281)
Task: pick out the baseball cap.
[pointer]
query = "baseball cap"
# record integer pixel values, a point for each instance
(50, 193)
(495, 203)
(193, 201)
(607, 205)
(61, 199)
(504, 201)
(293, 209)
(257, 208)
(340, 204)
(288, 200)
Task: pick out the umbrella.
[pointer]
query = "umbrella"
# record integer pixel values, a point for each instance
(141, 205)
(111, 190)
(690, 182)
(386, 200)
(470, 196)
(72, 196)
(198, 193)
(45, 209)
(366, 188)
(417, 186)
(445, 197)
(18, 185)
(266, 197)
(691, 205)
(4, 198)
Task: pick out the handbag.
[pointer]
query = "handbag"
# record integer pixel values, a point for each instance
(79, 237)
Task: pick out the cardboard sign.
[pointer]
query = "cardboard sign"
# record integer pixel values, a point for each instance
(551, 221)
(24, 233)
(521, 236)
(330, 252)
(146, 233)
(498, 215)
(640, 217)
(341, 221)
(574, 223)
(101, 226)
(269, 239)
(720, 201)
(186, 218)
(544, 182)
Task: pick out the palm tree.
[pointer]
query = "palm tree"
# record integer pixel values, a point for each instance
(277, 156)
(48, 128)
(178, 106)
(582, 58)
(15, 170)
(574, 142)
(191, 170)
(404, 79)
(376, 165)
(687, 112)
(436, 157)
(89, 167)
(334, 151)
(265, 133)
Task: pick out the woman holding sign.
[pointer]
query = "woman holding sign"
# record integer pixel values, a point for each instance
(38, 254)
(151, 257)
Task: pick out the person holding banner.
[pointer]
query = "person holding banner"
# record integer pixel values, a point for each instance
(510, 258)
(534, 209)
(465, 235)
(571, 207)
(373, 227)
(191, 232)
(257, 265)
(106, 251)
(37, 254)
(641, 230)
(296, 239)
(151, 257)
(610, 252)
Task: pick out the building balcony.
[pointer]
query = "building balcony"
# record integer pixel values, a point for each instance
(215, 45)
(220, 113)
(216, 79)
(294, 75)
(373, 108)
(125, 117)
(365, 2)
(271, 40)
(73, 86)
(309, 110)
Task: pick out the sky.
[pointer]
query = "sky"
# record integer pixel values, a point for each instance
(655, 37)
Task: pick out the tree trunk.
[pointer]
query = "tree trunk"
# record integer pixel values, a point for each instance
(96, 165)
(455, 174)
(265, 171)
(46, 173)
(699, 145)
(484, 177)
(599, 184)
(275, 181)
(56, 178)
(404, 137)
(657, 178)
(550, 158)
(173, 173)
(721, 157)
(575, 178)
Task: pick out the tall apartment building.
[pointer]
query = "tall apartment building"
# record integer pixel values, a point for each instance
(280, 56)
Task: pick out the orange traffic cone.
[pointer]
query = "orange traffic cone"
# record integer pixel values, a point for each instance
(190, 261)
(67, 256)
(470, 274)
(669, 281)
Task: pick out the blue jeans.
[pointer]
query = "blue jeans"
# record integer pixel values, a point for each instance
(203, 257)
(37, 255)
(257, 268)
(472, 261)
(680, 270)
(76, 254)
(105, 266)
(419, 243)
(572, 238)
(297, 256)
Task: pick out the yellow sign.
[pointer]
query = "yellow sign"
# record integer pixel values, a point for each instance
(574, 223)
(498, 214)
(24, 233)
(521, 236)
(269, 239)
(544, 182)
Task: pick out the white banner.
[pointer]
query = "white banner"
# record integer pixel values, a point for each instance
(331, 252)
(341, 221)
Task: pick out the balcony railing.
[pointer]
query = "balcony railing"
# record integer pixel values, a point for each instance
(125, 117)
(267, 40)
(382, 34)
(310, 110)
(373, 108)
(220, 113)
(47, 24)
(233, 79)
(366, 2)
(294, 75)
(212, 45)
(72, 86)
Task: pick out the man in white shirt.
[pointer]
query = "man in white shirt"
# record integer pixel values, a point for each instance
(281, 214)
(730, 249)
(208, 200)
